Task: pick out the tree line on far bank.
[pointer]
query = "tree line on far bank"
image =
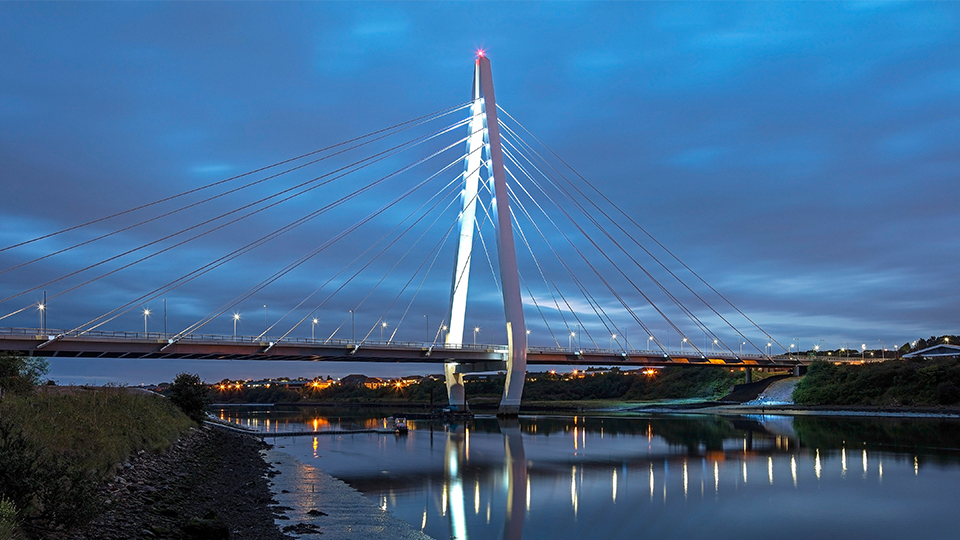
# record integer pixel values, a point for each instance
(636, 385)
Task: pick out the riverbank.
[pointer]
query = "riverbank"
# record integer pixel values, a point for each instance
(212, 484)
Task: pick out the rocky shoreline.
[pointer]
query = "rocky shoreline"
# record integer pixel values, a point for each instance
(212, 484)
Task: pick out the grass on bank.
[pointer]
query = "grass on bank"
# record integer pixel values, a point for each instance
(914, 383)
(58, 444)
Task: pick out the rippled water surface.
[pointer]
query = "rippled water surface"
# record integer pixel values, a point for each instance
(598, 477)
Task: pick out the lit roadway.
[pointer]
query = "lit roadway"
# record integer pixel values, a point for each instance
(216, 347)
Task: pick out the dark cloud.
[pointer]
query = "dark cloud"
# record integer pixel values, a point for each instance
(802, 157)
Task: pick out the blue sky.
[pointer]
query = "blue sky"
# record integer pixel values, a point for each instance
(802, 157)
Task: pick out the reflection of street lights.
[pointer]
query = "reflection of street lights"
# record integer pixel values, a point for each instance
(236, 317)
(382, 326)
(313, 328)
(476, 330)
(146, 313)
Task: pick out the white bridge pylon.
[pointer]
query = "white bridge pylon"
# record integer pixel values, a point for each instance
(485, 134)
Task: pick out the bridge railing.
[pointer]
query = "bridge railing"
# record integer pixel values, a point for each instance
(160, 337)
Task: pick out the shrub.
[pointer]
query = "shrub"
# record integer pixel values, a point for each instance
(9, 524)
(20, 374)
(190, 394)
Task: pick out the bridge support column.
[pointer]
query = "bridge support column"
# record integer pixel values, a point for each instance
(799, 371)
(509, 275)
(749, 376)
(455, 392)
(485, 134)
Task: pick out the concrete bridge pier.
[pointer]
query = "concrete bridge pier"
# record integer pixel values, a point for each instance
(799, 370)
(456, 395)
(749, 376)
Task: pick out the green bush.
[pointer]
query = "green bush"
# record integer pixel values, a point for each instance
(9, 523)
(924, 383)
(19, 374)
(190, 394)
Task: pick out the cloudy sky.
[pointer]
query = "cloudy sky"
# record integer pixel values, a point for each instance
(801, 157)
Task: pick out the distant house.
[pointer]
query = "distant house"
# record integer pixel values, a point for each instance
(354, 380)
(941, 350)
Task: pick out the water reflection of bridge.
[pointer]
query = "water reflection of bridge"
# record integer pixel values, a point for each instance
(506, 468)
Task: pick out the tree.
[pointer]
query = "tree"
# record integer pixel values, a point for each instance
(190, 394)
(19, 374)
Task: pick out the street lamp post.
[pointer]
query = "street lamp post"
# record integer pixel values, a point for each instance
(713, 346)
(570, 339)
(265, 325)
(742, 343)
(353, 327)
(426, 328)
(476, 330)
(649, 339)
(383, 326)
(42, 308)
(313, 329)
(681, 344)
(236, 317)
(146, 313)
(612, 337)
(791, 350)
(863, 351)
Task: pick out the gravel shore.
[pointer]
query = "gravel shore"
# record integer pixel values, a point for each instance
(217, 483)
(212, 484)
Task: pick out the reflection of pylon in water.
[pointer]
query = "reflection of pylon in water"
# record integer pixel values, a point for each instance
(485, 133)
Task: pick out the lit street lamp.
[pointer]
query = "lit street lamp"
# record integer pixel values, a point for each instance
(742, 343)
(42, 308)
(313, 327)
(236, 317)
(863, 351)
(383, 325)
(612, 337)
(476, 330)
(681, 345)
(649, 339)
(146, 313)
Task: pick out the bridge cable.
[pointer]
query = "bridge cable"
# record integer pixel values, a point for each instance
(313, 253)
(252, 245)
(591, 301)
(435, 114)
(214, 197)
(648, 234)
(440, 196)
(358, 165)
(675, 300)
(586, 260)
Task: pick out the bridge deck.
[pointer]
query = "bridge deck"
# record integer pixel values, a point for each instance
(136, 345)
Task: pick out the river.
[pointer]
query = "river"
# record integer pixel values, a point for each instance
(611, 476)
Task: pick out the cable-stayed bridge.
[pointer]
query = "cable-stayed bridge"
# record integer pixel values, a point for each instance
(546, 268)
